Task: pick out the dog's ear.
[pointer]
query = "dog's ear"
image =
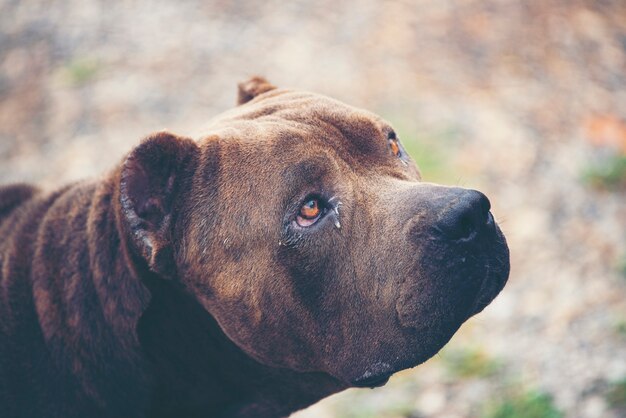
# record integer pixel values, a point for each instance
(150, 187)
(248, 90)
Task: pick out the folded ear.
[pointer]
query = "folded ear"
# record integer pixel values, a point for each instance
(248, 90)
(150, 186)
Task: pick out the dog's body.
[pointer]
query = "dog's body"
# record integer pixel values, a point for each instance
(243, 275)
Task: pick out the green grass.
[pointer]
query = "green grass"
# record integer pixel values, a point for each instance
(622, 266)
(616, 396)
(528, 404)
(433, 152)
(80, 71)
(430, 159)
(620, 327)
(609, 175)
(469, 363)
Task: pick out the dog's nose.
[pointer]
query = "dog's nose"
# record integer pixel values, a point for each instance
(467, 216)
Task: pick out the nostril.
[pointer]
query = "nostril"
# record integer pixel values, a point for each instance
(490, 220)
(468, 215)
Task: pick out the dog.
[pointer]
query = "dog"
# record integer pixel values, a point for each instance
(289, 253)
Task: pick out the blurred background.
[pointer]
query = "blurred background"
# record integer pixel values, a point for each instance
(524, 100)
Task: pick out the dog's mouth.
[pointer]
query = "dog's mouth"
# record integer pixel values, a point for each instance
(494, 277)
(477, 282)
(490, 287)
(372, 382)
(377, 375)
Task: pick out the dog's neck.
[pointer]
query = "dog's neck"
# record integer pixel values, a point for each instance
(200, 372)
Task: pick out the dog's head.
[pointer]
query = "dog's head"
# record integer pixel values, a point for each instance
(303, 227)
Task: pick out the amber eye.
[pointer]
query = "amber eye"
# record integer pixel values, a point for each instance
(395, 147)
(309, 212)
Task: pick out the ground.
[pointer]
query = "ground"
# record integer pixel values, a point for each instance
(524, 100)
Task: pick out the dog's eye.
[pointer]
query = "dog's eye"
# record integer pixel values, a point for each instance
(395, 148)
(394, 145)
(309, 212)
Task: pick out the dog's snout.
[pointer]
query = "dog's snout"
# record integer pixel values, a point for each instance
(466, 216)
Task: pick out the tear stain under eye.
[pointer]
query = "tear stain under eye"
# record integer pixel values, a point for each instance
(336, 210)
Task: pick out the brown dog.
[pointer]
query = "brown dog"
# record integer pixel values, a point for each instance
(290, 253)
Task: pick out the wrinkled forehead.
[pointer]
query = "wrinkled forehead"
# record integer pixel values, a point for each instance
(292, 117)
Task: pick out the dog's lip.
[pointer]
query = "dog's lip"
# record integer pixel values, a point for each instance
(494, 277)
(377, 375)
(372, 381)
(491, 285)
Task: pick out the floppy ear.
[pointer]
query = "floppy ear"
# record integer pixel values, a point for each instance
(151, 184)
(248, 90)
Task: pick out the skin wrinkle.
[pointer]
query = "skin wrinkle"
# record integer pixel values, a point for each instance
(179, 284)
(53, 311)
